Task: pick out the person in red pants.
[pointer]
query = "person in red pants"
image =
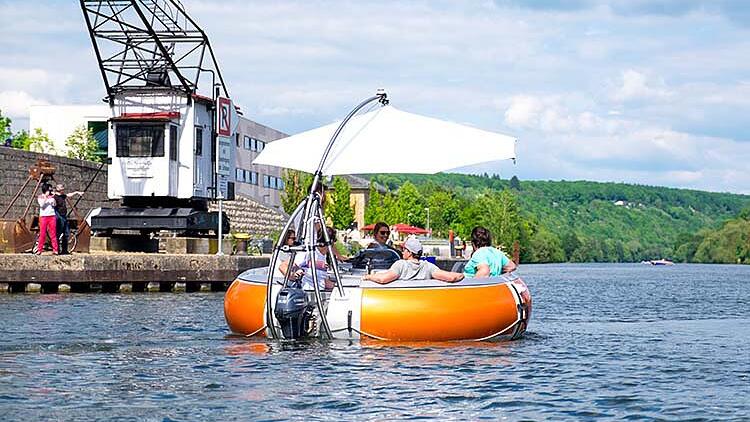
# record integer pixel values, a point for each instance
(47, 219)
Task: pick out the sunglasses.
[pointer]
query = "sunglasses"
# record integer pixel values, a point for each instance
(384, 232)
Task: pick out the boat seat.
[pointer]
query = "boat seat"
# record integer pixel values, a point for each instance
(379, 258)
(458, 267)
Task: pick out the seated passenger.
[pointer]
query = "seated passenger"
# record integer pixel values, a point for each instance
(303, 266)
(486, 261)
(382, 233)
(290, 239)
(412, 268)
(377, 260)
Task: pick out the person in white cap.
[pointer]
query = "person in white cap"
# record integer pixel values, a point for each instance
(412, 268)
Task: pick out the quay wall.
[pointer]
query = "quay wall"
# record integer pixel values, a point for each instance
(124, 268)
(75, 174)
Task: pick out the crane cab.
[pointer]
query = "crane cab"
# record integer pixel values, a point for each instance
(162, 152)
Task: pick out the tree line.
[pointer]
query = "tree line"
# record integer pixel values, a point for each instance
(565, 221)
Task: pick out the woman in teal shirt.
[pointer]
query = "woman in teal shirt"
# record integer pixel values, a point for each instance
(486, 261)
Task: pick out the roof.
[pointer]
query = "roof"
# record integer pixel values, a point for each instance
(157, 116)
(357, 182)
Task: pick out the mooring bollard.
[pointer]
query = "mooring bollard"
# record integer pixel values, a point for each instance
(242, 239)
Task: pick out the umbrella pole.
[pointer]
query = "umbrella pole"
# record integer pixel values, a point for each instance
(381, 97)
(311, 210)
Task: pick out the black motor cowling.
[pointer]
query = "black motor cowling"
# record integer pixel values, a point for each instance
(293, 312)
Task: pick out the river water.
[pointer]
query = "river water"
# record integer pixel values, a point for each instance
(605, 342)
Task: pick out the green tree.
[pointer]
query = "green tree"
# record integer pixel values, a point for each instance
(545, 246)
(5, 131)
(82, 145)
(499, 213)
(40, 142)
(296, 188)
(570, 242)
(374, 207)
(340, 211)
(21, 140)
(515, 184)
(411, 206)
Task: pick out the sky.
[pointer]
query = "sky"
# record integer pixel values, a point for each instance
(647, 92)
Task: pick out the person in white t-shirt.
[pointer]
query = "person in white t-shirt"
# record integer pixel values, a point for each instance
(47, 219)
(412, 268)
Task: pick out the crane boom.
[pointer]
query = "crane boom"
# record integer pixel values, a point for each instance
(147, 46)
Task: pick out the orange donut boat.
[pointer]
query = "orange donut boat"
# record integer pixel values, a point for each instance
(484, 309)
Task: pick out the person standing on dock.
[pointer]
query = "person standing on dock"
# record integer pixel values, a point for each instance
(47, 223)
(61, 210)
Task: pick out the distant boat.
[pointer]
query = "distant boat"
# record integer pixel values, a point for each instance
(658, 262)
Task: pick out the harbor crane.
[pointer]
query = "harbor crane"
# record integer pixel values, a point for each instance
(172, 125)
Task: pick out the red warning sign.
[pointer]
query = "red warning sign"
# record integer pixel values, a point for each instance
(224, 117)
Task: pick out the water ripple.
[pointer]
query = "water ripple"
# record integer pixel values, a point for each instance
(613, 342)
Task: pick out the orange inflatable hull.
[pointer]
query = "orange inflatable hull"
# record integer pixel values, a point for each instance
(420, 313)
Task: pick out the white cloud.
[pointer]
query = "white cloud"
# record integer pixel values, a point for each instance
(636, 86)
(584, 89)
(15, 104)
(524, 111)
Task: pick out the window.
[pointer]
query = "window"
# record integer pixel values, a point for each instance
(141, 140)
(198, 141)
(253, 177)
(173, 143)
(237, 139)
(280, 184)
(248, 142)
(260, 146)
(239, 175)
(266, 181)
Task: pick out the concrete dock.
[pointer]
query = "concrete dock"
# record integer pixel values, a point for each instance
(109, 272)
(136, 272)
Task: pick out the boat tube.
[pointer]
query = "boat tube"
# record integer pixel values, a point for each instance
(495, 308)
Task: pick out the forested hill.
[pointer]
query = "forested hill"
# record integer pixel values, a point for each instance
(581, 220)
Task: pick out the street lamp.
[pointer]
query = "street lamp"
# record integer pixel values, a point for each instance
(429, 233)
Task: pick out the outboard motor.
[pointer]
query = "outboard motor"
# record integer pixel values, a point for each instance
(293, 312)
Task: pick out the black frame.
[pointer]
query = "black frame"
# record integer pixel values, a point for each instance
(124, 134)
(148, 45)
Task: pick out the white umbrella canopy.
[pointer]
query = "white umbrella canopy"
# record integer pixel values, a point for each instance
(388, 140)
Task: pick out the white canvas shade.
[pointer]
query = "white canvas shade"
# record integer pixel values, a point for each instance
(388, 140)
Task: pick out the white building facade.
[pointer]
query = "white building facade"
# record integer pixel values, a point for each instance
(59, 122)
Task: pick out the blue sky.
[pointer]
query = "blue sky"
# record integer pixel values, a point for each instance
(649, 92)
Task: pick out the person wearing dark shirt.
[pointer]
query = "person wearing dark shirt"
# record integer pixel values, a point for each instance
(61, 213)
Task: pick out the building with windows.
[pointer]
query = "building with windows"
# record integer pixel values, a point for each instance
(259, 182)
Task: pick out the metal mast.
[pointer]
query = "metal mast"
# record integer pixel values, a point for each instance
(149, 46)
